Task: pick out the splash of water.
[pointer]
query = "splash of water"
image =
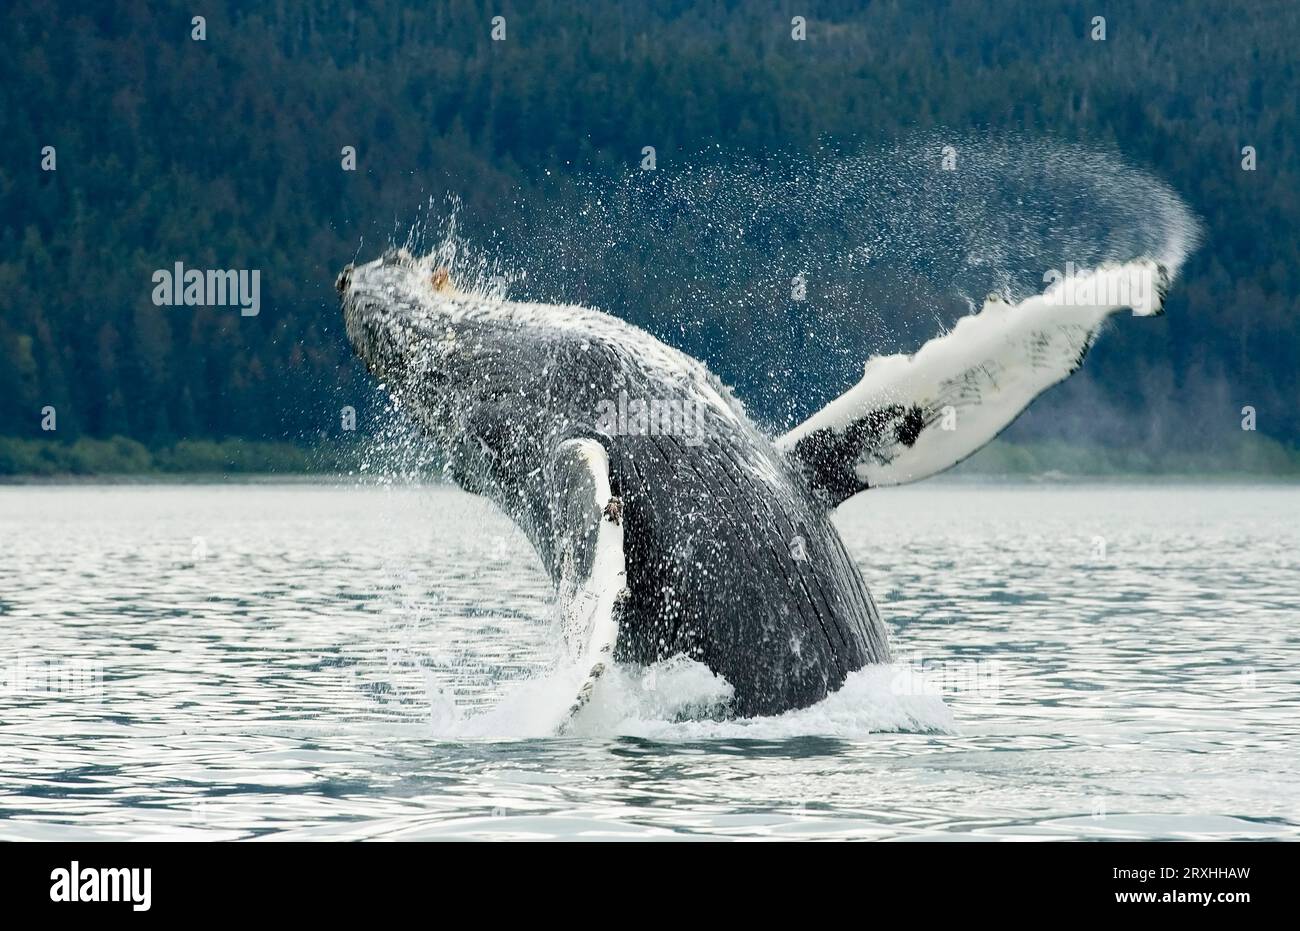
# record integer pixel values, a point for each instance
(951, 212)
(786, 274)
(436, 238)
(680, 699)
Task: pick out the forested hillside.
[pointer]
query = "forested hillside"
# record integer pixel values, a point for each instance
(226, 153)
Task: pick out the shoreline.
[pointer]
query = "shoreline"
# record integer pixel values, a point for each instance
(377, 481)
(1250, 458)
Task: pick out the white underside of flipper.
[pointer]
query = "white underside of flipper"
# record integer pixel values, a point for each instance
(589, 620)
(912, 416)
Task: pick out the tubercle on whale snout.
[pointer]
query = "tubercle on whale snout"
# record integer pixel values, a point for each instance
(398, 256)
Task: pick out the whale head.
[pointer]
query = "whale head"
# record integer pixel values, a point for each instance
(386, 307)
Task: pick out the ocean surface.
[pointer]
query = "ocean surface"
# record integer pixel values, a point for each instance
(307, 661)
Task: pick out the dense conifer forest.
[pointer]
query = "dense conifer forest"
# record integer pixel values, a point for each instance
(227, 152)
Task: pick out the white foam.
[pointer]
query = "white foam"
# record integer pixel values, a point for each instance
(680, 699)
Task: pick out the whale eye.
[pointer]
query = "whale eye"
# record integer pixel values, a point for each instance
(994, 298)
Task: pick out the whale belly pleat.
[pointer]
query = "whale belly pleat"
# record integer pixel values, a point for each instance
(732, 562)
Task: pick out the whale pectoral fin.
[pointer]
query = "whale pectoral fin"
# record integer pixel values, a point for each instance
(588, 522)
(911, 417)
(602, 655)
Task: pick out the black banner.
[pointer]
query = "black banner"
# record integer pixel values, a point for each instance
(257, 880)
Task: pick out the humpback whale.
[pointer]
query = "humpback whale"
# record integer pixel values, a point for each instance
(703, 536)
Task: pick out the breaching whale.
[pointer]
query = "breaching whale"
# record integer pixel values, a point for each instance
(703, 536)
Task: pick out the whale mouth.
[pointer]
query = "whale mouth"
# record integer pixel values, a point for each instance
(344, 280)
